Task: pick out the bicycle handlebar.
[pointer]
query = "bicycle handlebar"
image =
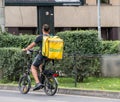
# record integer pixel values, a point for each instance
(31, 51)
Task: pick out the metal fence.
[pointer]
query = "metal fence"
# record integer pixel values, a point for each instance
(76, 66)
(82, 66)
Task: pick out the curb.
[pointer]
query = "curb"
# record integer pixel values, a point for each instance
(95, 93)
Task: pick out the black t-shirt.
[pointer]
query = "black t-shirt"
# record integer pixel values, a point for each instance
(39, 39)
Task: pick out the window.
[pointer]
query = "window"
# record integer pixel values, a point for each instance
(104, 1)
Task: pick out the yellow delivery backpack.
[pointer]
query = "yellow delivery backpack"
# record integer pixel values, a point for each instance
(52, 47)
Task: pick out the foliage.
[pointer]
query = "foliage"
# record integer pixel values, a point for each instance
(79, 44)
(111, 47)
(9, 40)
(11, 63)
(80, 54)
(82, 42)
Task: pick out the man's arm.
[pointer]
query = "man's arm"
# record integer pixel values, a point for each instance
(37, 40)
(29, 46)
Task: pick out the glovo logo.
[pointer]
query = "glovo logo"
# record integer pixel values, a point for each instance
(56, 50)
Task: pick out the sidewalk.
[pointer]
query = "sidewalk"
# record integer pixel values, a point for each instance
(96, 93)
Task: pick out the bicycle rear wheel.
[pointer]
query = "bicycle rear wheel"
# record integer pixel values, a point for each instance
(50, 86)
(24, 84)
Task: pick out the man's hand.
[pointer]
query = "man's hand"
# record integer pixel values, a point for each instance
(29, 47)
(24, 50)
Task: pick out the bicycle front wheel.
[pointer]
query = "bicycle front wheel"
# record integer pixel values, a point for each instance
(24, 84)
(51, 86)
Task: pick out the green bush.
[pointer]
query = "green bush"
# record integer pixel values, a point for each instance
(78, 48)
(9, 40)
(111, 47)
(12, 61)
(81, 44)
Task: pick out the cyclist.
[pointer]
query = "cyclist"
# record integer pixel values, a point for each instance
(38, 60)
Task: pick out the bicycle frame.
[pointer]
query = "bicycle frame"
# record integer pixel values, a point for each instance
(48, 79)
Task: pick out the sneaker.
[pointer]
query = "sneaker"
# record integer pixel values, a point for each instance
(38, 86)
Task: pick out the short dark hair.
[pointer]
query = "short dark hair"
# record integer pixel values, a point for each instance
(46, 27)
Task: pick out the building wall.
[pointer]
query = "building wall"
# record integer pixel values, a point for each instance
(71, 16)
(20, 16)
(22, 19)
(86, 16)
(112, 2)
(115, 2)
(91, 2)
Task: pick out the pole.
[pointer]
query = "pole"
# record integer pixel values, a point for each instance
(75, 69)
(99, 21)
(2, 15)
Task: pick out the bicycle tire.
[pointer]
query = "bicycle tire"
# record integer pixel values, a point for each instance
(50, 86)
(24, 84)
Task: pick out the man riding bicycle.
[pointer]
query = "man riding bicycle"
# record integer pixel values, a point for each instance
(38, 60)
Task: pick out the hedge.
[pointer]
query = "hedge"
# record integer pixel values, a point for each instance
(11, 63)
(76, 45)
(111, 47)
(82, 44)
(9, 40)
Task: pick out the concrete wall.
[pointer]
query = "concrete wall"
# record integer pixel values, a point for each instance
(86, 16)
(83, 16)
(21, 16)
(111, 66)
(70, 16)
(115, 2)
(112, 2)
(91, 2)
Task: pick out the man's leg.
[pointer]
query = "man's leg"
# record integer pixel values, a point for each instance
(36, 63)
(40, 68)
(42, 77)
(35, 74)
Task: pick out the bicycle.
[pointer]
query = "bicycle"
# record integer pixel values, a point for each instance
(46, 77)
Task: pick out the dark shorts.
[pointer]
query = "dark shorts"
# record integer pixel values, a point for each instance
(38, 60)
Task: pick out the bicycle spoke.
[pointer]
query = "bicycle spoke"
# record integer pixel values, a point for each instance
(24, 84)
(50, 86)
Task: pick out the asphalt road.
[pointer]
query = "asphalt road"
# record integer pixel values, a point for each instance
(15, 96)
